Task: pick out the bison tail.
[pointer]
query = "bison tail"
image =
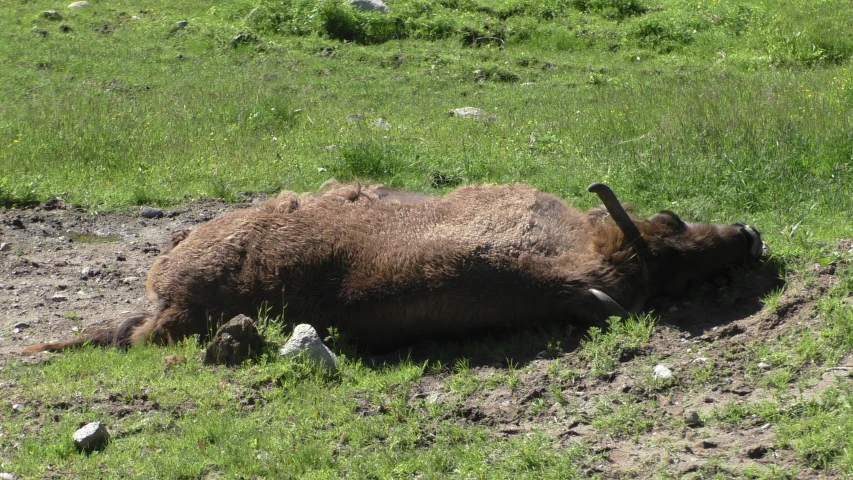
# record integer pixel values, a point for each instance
(120, 336)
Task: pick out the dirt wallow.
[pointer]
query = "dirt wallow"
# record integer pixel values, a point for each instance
(388, 268)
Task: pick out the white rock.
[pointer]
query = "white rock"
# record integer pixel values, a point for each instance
(370, 5)
(5, 247)
(129, 280)
(764, 366)
(662, 373)
(472, 112)
(701, 360)
(7, 476)
(305, 341)
(82, 4)
(91, 436)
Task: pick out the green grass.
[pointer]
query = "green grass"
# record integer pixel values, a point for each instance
(720, 111)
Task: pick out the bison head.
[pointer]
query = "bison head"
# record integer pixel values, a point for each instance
(664, 254)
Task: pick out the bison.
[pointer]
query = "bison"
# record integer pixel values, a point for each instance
(388, 267)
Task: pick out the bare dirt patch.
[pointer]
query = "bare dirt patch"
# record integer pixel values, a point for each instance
(65, 270)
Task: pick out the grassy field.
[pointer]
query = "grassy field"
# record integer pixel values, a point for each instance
(718, 110)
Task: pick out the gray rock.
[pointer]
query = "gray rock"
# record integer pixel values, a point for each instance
(370, 5)
(89, 272)
(471, 112)
(764, 366)
(150, 212)
(691, 418)
(5, 247)
(91, 436)
(59, 297)
(7, 476)
(306, 342)
(700, 360)
(382, 123)
(82, 4)
(129, 280)
(662, 373)
(234, 342)
(51, 15)
(21, 325)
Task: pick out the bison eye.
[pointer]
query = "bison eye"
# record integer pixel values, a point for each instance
(670, 219)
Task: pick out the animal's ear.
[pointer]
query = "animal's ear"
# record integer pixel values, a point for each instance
(670, 219)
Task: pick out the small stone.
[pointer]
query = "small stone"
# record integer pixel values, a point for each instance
(150, 212)
(91, 436)
(64, 28)
(469, 112)
(370, 5)
(82, 4)
(5, 247)
(234, 342)
(305, 341)
(662, 373)
(59, 297)
(382, 123)
(355, 117)
(764, 427)
(89, 272)
(182, 24)
(7, 476)
(135, 18)
(22, 325)
(129, 280)
(51, 15)
(700, 360)
(17, 407)
(764, 366)
(691, 418)
(120, 257)
(706, 444)
(673, 309)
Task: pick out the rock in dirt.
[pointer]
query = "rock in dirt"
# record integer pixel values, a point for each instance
(691, 418)
(662, 373)
(306, 342)
(21, 325)
(151, 212)
(7, 476)
(91, 436)
(82, 4)
(370, 5)
(764, 366)
(234, 342)
(5, 247)
(89, 272)
(51, 15)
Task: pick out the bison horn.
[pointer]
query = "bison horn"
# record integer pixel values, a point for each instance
(619, 215)
(611, 307)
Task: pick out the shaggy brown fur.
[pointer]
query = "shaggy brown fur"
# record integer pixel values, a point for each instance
(388, 267)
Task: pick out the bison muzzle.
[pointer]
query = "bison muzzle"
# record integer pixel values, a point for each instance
(388, 267)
